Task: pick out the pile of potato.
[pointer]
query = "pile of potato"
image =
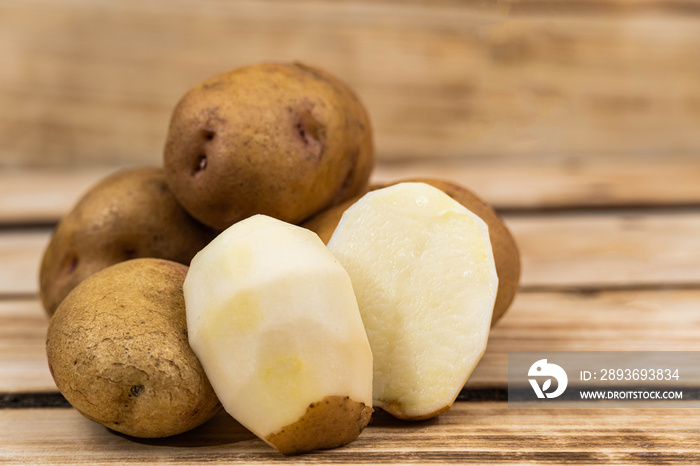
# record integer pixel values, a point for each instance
(250, 153)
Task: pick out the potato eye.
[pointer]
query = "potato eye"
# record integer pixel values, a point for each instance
(208, 134)
(201, 164)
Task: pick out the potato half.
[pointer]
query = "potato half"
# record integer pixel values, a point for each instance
(422, 268)
(505, 249)
(117, 348)
(284, 140)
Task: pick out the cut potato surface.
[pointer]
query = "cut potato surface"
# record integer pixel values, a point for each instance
(272, 316)
(422, 268)
(505, 249)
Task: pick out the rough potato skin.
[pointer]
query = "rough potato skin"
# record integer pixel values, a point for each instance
(332, 422)
(284, 140)
(118, 351)
(127, 215)
(505, 250)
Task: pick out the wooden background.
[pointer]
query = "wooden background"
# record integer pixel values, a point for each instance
(578, 120)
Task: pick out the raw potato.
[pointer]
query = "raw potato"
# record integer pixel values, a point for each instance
(423, 272)
(117, 349)
(127, 215)
(284, 140)
(273, 318)
(505, 250)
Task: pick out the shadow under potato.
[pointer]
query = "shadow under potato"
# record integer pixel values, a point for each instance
(222, 429)
(381, 418)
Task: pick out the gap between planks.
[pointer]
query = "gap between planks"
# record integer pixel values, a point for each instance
(467, 433)
(40, 196)
(582, 250)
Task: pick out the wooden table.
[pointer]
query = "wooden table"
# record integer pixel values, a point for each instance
(606, 278)
(577, 120)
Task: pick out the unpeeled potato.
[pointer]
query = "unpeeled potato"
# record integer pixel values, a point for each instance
(505, 250)
(284, 140)
(127, 215)
(118, 351)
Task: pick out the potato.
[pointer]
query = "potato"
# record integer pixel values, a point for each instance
(274, 320)
(422, 268)
(505, 250)
(128, 215)
(117, 348)
(284, 140)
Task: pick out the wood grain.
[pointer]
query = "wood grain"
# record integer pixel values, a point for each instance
(592, 250)
(646, 320)
(580, 250)
(23, 366)
(470, 433)
(658, 320)
(567, 184)
(42, 195)
(93, 82)
(578, 120)
(21, 254)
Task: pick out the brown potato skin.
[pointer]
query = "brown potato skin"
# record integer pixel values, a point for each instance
(284, 140)
(324, 223)
(330, 423)
(505, 250)
(127, 215)
(118, 351)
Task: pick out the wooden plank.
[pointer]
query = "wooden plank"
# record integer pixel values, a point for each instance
(573, 183)
(95, 81)
(468, 433)
(579, 250)
(659, 320)
(23, 366)
(20, 259)
(41, 195)
(616, 250)
(646, 320)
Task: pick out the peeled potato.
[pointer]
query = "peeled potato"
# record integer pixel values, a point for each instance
(505, 250)
(117, 349)
(422, 268)
(284, 140)
(273, 318)
(127, 215)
